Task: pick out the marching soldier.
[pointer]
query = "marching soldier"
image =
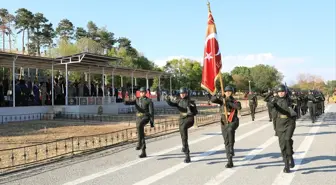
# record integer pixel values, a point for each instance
(188, 110)
(253, 100)
(312, 105)
(285, 126)
(320, 95)
(230, 124)
(304, 101)
(296, 103)
(145, 114)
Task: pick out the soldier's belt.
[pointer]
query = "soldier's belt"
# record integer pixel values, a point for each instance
(140, 114)
(227, 113)
(282, 116)
(183, 114)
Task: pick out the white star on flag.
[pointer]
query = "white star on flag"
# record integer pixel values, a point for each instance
(208, 56)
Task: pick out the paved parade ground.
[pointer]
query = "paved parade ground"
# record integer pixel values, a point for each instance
(257, 160)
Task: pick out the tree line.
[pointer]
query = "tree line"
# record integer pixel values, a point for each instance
(188, 73)
(41, 37)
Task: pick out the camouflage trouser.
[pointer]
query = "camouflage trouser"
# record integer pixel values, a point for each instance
(229, 134)
(140, 125)
(312, 111)
(285, 139)
(269, 112)
(185, 124)
(252, 109)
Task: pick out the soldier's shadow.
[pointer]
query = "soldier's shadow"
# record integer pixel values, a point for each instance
(194, 154)
(213, 134)
(260, 156)
(321, 169)
(305, 161)
(318, 133)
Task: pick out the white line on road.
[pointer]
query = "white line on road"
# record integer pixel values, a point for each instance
(134, 162)
(221, 177)
(287, 178)
(177, 167)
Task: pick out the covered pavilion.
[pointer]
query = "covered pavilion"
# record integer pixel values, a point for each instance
(82, 62)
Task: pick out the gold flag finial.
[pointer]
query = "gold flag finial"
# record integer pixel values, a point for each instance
(209, 6)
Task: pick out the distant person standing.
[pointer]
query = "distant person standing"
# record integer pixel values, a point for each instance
(252, 103)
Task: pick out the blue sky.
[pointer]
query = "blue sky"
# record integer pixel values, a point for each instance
(296, 36)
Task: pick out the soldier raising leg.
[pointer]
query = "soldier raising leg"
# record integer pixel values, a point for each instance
(188, 110)
(145, 114)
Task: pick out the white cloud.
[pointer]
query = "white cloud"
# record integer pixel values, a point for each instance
(289, 66)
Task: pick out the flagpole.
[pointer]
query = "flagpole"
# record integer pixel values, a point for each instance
(221, 84)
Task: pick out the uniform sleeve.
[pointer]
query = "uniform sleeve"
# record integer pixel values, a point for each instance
(282, 107)
(235, 104)
(217, 100)
(267, 98)
(172, 103)
(132, 102)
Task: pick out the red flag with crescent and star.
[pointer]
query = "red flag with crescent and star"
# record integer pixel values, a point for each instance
(212, 62)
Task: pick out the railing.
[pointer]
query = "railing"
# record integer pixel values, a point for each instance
(14, 159)
(99, 100)
(84, 117)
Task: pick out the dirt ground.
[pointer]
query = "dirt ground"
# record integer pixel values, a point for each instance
(33, 132)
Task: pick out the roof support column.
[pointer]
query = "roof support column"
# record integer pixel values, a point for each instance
(160, 83)
(66, 84)
(89, 83)
(52, 83)
(132, 82)
(121, 82)
(159, 98)
(147, 83)
(103, 82)
(170, 85)
(113, 83)
(13, 76)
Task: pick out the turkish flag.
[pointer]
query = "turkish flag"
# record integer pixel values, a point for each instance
(212, 62)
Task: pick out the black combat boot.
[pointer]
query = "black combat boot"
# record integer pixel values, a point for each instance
(187, 158)
(229, 164)
(143, 154)
(286, 169)
(292, 162)
(138, 147)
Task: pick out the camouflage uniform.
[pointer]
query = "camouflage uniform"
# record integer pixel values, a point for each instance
(188, 110)
(253, 102)
(145, 114)
(285, 126)
(228, 129)
(312, 101)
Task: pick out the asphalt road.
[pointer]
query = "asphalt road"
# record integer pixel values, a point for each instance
(257, 160)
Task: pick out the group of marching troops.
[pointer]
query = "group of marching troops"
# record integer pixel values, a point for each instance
(284, 107)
